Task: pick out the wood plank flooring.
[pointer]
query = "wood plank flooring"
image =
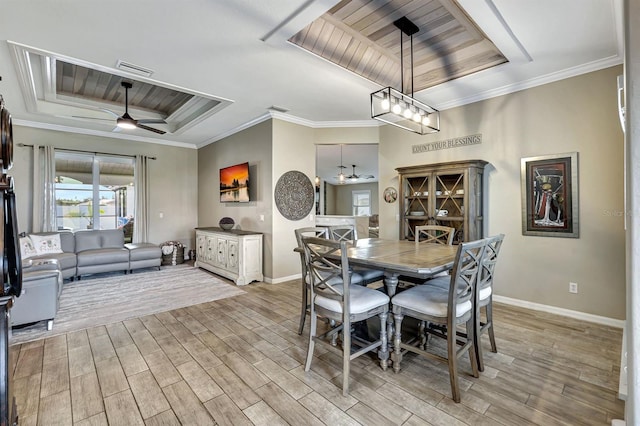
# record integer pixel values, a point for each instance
(239, 361)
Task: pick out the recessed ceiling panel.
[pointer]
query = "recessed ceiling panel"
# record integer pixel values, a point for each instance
(89, 84)
(359, 35)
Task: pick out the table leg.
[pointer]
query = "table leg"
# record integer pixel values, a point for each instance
(390, 283)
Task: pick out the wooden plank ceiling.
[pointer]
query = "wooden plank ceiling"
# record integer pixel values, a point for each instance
(359, 35)
(86, 83)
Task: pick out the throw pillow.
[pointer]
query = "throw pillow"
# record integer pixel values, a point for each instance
(47, 244)
(27, 249)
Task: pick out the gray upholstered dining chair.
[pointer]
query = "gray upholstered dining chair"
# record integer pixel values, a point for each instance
(349, 233)
(444, 310)
(343, 304)
(321, 232)
(485, 296)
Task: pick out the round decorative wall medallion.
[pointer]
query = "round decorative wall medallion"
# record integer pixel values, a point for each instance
(294, 195)
(390, 195)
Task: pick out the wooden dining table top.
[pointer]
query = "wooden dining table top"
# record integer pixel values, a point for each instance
(402, 256)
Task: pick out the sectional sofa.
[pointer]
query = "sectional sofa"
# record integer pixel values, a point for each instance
(50, 257)
(90, 252)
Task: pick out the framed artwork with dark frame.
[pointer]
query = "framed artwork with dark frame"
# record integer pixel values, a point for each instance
(550, 195)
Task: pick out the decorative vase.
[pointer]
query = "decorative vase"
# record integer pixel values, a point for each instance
(226, 223)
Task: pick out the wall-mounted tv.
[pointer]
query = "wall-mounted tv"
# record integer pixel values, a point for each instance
(234, 184)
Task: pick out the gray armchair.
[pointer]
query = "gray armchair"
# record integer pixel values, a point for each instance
(41, 288)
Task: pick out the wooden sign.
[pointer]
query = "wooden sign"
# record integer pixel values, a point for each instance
(448, 143)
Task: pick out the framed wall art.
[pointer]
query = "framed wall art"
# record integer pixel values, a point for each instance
(390, 195)
(550, 195)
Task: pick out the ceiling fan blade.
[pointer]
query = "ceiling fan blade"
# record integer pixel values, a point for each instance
(152, 121)
(110, 112)
(151, 129)
(92, 118)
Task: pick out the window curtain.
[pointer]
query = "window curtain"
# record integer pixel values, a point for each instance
(44, 189)
(141, 215)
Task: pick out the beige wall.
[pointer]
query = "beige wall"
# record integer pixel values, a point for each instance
(173, 177)
(293, 149)
(344, 200)
(253, 145)
(576, 114)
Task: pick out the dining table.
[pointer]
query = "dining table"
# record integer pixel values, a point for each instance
(401, 257)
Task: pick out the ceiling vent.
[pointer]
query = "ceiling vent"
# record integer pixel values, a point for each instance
(132, 68)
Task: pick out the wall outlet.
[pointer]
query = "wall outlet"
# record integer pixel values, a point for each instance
(573, 287)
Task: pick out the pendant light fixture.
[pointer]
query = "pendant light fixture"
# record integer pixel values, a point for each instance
(399, 109)
(341, 177)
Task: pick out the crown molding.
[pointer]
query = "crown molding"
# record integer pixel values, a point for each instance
(291, 119)
(533, 82)
(122, 136)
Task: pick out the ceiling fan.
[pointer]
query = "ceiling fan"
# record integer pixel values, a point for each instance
(353, 175)
(128, 122)
(125, 121)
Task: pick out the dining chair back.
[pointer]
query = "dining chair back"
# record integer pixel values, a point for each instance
(434, 234)
(429, 234)
(343, 233)
(443, 309)
(485, 296)
(321, 232)
(349, 233)
(345, 304)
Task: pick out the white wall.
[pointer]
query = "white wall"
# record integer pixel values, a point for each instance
(577, 114)
(173, 179)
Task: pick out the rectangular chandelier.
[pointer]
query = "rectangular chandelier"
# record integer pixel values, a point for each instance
(395, 108)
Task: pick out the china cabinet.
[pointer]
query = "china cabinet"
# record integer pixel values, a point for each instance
(448, 194)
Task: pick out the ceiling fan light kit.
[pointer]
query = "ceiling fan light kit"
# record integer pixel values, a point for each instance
(128, 122)
(399, 109)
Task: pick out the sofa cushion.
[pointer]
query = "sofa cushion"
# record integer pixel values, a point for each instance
(143, 251)
(65, 260)
(99, 239)
(27, 249)
(46, 244)
(102, 256)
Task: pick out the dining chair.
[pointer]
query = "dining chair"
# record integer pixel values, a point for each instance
(444, 310)
(429, 234)
(321, 232)
(343, 303)
(350, 234)
(485, 296)
(437, 234)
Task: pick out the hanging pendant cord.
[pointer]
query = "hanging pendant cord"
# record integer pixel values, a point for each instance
(401, 65)
(412, 65)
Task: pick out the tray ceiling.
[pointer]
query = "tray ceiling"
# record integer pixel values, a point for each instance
(84, 83)
(359, 35)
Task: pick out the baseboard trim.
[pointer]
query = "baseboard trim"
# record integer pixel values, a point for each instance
(281, 279)
(560, 311)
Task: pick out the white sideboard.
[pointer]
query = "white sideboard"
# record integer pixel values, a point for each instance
(361, 223)
(233, 254)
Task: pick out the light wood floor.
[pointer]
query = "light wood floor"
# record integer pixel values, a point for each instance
(240, 361)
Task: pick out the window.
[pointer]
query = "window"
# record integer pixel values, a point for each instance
(361, 203)
(93, 192)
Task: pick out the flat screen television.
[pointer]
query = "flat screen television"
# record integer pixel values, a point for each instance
(234, 184)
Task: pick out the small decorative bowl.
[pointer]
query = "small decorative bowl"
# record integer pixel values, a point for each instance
(226, 223)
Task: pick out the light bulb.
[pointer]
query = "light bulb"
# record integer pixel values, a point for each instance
(417, 117)
(397, 109)
(341, 177)
(385, 104)
(407, 113)
(425, 120)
